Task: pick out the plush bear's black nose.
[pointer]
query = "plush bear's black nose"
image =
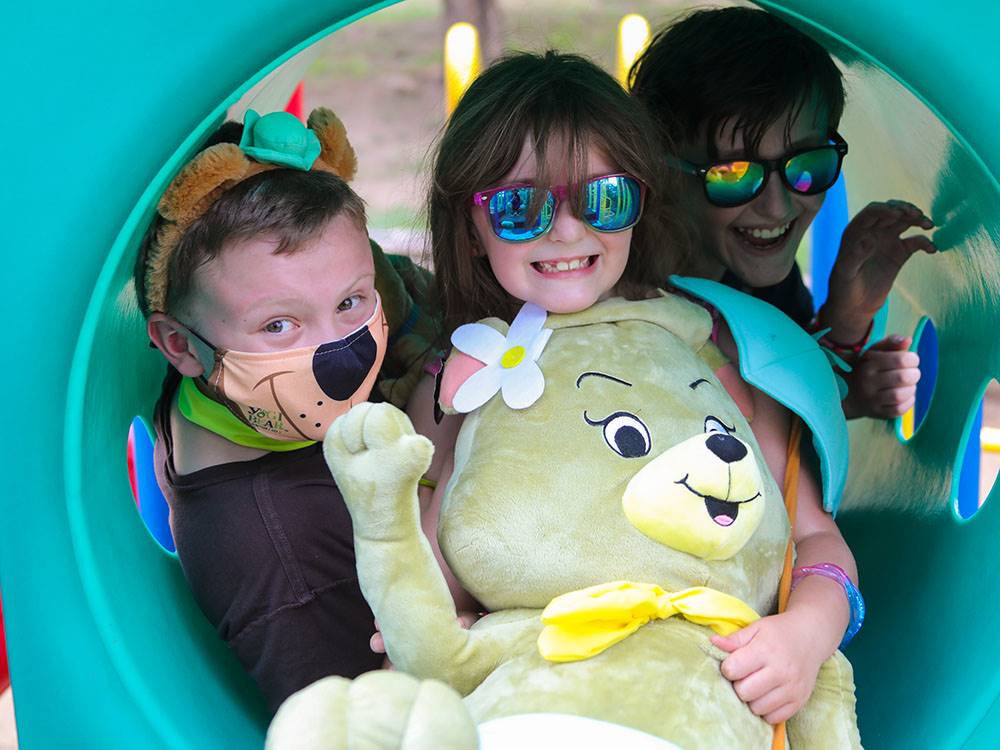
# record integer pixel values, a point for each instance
(341, 367)
(726, 447)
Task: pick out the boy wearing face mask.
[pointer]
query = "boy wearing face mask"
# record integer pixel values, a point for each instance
(752, 107)
(258, 283)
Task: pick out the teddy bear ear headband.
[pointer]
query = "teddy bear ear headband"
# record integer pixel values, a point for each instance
(275, 141)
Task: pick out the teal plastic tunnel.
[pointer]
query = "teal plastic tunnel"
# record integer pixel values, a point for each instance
(104, 100)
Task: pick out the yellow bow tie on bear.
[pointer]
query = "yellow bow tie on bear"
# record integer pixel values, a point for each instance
(583, 623)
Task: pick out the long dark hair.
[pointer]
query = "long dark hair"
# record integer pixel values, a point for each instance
(533, 98)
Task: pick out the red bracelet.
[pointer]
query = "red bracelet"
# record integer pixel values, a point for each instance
(843, 349)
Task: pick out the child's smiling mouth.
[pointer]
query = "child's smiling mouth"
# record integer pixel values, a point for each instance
(564, 265)
(765, 238)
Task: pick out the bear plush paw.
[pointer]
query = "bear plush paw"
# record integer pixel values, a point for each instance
(377, 459)
(377, 711)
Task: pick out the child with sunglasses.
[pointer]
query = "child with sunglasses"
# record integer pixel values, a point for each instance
(547, 189)
(554, 120)
(752, 106)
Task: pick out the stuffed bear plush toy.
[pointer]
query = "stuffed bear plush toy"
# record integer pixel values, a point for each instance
(609, 507)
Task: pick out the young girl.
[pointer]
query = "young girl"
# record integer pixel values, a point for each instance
(546, 190)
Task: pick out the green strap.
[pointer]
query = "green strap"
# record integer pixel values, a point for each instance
(214, 417)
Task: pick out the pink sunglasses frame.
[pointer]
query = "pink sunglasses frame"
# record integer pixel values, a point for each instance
(559, 192)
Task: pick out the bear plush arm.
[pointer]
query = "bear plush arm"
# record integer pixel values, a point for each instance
(377, 460)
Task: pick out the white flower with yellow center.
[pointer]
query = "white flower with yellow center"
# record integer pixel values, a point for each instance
(511, 361)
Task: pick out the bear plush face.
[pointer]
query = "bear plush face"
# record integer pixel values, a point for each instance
(633, 464)
(703, 496)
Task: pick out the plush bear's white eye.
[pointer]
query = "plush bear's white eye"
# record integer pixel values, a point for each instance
(624, 433)
(627, 435)
(714, 424)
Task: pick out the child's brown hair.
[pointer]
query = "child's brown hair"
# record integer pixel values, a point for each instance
(289, 206)
(529, 98)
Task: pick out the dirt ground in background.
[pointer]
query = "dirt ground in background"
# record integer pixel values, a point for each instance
(383, 77)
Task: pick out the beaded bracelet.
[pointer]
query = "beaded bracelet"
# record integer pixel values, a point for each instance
(854, 598)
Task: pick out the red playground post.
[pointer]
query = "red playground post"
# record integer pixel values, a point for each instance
(4, 671)
(295, 102)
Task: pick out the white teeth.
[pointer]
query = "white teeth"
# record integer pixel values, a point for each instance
(563, 265)
(766, 234)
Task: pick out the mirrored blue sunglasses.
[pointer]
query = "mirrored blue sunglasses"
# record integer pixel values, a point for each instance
(611, 203)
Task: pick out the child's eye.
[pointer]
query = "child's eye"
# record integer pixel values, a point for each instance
(282, 325)
(350, 303)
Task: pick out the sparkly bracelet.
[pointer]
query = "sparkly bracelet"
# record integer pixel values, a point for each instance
(854, 598)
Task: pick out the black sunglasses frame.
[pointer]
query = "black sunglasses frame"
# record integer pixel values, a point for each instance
(770, 165)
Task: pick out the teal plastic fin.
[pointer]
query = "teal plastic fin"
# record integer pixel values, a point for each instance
(786, 363)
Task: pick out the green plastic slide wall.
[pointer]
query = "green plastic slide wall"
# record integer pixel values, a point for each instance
(103, 100)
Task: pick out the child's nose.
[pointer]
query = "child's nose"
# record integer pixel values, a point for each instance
(565, 226)
(776, 201)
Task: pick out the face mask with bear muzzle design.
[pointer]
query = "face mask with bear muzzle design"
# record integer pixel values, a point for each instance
(296, 394)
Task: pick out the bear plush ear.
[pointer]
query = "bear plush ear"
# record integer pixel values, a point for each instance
(202, 181)
(337, 153)
(459, 368)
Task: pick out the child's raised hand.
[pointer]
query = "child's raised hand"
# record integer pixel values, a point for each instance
(870, 257)
(883, 384)
(773, 664)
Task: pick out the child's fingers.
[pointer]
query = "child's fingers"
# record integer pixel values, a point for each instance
(893, 343)
(907, 213)
(756, 686)
(897, 361)
(891, 403)
(913, 215)
(377, 643)
(467, 619)
(886, 377)
(889, 411)
(723, 643)
(769, 702)
(898, 409)
(782, 713)
(874, 215)
(742, 663)
(919, 242)
(895, 396)
(896, 379)
(733, 641)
